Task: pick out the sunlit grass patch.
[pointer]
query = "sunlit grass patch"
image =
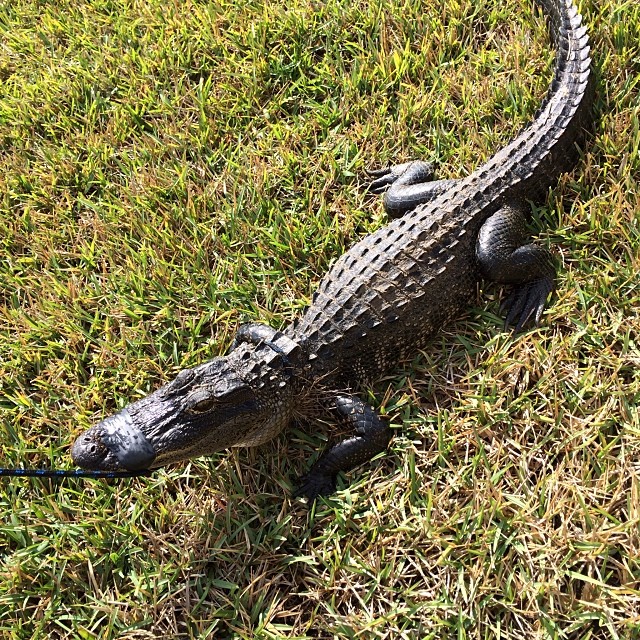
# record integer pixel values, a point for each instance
(170, 170)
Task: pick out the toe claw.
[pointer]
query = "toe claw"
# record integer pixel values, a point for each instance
(386, 176)
(381, 184)
(514, 308)
(526, 302)
(378, 173)
(313, 485)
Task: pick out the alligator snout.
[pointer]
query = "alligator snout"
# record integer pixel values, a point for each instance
(113, 444)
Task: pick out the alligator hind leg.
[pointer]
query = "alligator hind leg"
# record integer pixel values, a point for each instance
(407, 185)
(506, 255)
(372, 437)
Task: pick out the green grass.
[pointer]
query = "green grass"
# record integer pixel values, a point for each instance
(169, 170)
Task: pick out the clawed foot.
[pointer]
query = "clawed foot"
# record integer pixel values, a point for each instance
(418, 170)
(313, 485)
(527, 301)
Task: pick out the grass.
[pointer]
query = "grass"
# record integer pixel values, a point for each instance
(169, 170)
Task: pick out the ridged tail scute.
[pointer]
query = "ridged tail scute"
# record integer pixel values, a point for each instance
(530, 164)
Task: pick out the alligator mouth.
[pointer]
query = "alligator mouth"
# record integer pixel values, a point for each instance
(115, 444)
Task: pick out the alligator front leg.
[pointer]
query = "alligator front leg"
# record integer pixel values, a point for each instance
(407, 185)
(372, 437)
(505, 254)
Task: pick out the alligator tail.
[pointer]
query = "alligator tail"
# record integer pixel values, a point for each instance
(549, 145)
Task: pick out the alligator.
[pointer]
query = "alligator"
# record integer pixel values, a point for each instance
(379, 303)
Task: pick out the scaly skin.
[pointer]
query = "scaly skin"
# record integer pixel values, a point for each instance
(381, 301)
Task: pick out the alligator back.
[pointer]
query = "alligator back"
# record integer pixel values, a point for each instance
(394, 289)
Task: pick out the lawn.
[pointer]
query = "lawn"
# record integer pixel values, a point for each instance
(169, 170)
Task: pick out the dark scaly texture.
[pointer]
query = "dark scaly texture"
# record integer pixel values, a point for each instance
(380, 302)
(394, 289)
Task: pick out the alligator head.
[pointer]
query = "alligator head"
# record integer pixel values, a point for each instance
(243, 398)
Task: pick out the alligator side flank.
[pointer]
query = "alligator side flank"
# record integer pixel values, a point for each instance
(380, 302)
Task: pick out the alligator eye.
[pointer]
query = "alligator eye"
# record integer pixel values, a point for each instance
(203, 405)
